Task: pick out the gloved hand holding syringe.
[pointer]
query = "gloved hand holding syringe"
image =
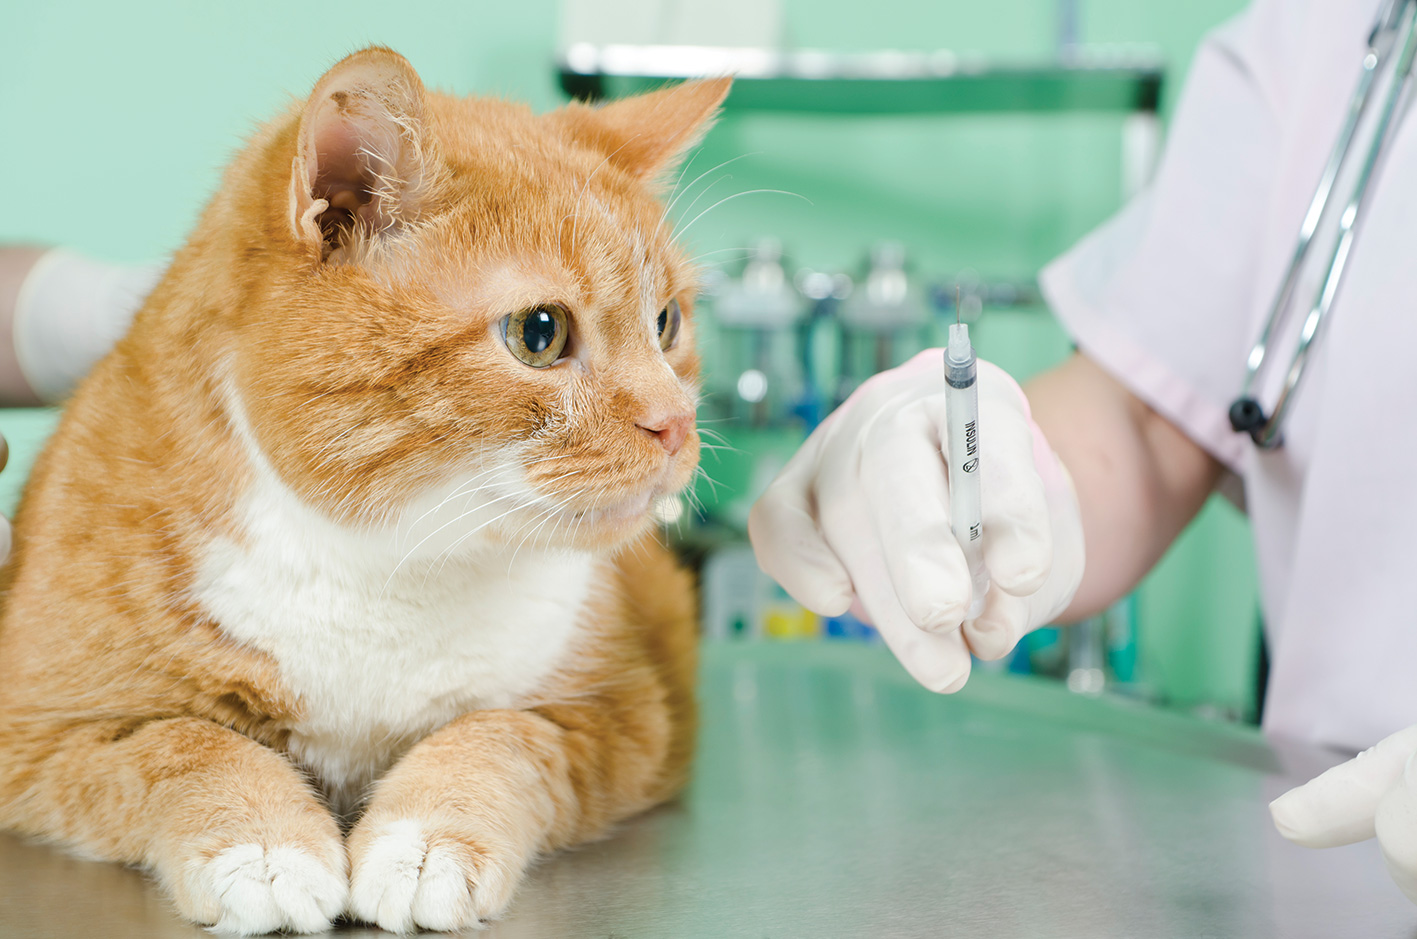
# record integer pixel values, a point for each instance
(877, 513)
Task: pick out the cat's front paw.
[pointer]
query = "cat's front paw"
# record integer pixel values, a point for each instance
(412, 875)
(250, 889)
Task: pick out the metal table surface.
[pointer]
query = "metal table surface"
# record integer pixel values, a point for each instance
(833, 797)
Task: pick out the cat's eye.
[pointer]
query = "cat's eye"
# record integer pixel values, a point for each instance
(537, 336)
(668, 324)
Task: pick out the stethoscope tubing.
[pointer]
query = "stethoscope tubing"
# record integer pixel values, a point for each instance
(1246, 414)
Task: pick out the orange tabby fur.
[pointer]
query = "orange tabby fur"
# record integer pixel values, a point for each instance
(351, 338)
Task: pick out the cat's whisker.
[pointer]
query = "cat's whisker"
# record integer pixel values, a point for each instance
(342, 434)
(728, 250)
(683, 171)
(701, 473)
(540, 495)
(580, 520)
(641, 547)
(447, 553)
(544, 511)
(713, 453)
(451, 549)
(545, 459)
(330, 454)
(715, 439)
(473, 486)
(738, 254)
(576, 209)
(466, 512)
(535, 496)
(738, 195)
(670, 207)
(548, 515)
(310, 400)
(717, 442)
(576, 531)
(698, 501)
(467, 496)
(453, 521)
(689, 495)
(455, 493)
(705, 191)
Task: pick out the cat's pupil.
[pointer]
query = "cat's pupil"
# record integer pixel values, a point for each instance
(539, 331)
(663, 320)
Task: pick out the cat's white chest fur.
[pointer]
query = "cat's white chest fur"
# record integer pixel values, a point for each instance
(379, 661)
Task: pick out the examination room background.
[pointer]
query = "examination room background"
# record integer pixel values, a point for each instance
(118, 118)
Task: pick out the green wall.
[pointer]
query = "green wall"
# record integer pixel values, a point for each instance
(119, 117)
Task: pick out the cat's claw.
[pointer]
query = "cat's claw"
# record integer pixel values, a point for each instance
(407, 879)
(250, 890)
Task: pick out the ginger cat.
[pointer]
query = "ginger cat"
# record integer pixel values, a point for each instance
(352, 532)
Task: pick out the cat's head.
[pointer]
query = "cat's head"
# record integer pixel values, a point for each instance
(456, 313)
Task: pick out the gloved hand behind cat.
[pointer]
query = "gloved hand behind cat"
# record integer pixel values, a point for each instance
(4, 522)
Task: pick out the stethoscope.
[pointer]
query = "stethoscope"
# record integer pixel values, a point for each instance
(1246, 413)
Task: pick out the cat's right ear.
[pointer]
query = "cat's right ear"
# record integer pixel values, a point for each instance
(364, 165)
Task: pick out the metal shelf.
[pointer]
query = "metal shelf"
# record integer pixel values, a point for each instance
(1101, 80)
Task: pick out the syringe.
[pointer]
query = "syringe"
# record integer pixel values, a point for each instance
(962, 418)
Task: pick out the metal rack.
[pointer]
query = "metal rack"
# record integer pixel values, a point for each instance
(1123, 80)
(892, 82)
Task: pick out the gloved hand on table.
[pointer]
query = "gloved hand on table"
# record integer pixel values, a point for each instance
(860, 519)
(1372, 795)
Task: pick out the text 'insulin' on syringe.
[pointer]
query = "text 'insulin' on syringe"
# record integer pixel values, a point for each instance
(962, 420)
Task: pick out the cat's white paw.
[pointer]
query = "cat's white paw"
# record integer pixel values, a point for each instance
(407, 879)
(249, 889)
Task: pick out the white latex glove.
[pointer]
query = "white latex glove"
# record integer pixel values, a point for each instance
(861, 516)
(1372, 795)
(70, 311)
(4, 522)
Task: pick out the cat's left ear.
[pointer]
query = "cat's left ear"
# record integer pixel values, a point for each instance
(646, 135)
(364, 164)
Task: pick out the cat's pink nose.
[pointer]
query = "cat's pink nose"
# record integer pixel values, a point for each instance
(669, 428)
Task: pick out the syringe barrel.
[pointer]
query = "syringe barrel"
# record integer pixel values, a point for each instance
(962, 420)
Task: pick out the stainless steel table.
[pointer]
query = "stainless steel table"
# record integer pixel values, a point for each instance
(832, 797)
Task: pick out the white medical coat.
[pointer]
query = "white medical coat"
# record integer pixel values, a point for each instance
(1170, 295)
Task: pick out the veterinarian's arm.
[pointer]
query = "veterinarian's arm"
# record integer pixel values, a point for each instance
(1139, 480)
(60, 312)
